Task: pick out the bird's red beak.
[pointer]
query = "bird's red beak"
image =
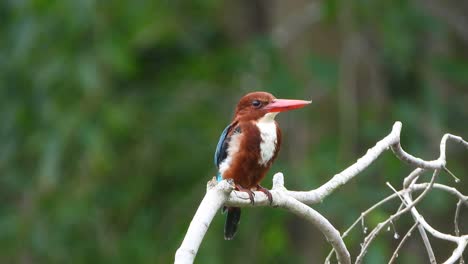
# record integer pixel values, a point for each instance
(281, 105)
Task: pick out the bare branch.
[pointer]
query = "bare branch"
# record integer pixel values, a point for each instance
(317, 195)
(412, 177)
(210, 205)
(410, 159)
(433, 164)
(461, 241)
(219, 194)
(432, 230)
(381, 225)
(407, 183)
(455, 220)
(360, 219)
(328, 230)
(427, 243)
(448, 189)
(457, 229)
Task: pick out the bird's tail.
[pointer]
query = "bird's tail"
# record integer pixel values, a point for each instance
(232, 220)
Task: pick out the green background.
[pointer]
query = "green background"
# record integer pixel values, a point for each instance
(110, 112)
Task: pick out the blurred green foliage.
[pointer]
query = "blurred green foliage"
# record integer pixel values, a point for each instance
(110, 113)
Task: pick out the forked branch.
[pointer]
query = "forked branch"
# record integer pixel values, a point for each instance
(222, 193)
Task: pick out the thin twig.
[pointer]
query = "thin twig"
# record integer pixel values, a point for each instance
(461, 241)
(422, 231)
(363, 214)
(457, 229)
(455, 221)
(397, 193)
(457, 180)
(403, 240)
(381, 225)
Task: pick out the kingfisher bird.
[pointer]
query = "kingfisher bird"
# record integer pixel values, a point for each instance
(248, 146)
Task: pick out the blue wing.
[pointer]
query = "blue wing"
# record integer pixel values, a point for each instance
(221, 148)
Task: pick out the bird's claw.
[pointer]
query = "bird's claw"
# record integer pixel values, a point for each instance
(249, 192)
(252, 194)
(266, 192)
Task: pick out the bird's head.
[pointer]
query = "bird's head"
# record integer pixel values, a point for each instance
(256, 105)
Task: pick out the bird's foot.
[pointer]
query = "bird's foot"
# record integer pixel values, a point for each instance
(249, 192)
(266, 192)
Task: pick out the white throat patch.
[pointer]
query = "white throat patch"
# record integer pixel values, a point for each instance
(267, 128)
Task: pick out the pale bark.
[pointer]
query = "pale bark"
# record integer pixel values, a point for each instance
(222, 193)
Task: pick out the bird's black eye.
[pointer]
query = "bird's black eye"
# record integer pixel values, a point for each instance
(256, 103)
